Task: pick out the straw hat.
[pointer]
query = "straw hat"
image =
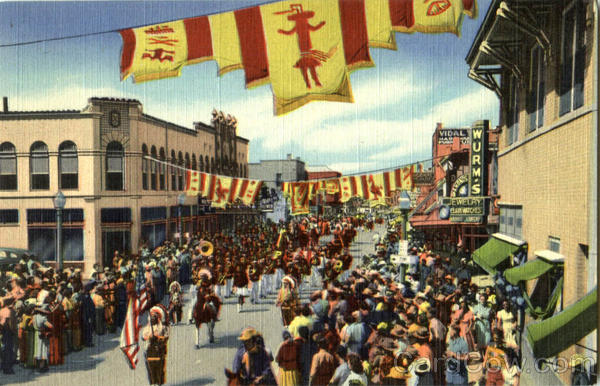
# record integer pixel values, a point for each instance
(247, 334)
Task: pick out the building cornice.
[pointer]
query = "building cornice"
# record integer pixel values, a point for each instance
(31, 115)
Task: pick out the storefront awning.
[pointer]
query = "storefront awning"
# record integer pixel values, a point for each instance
(556, 334)
(528, 271)
(493, 253)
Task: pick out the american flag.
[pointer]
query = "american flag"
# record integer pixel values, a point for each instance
(131, 329)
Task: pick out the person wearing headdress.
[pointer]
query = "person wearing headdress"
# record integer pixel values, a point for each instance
(175, 302)
(43, 329)
(207, 306)
(157, 335)
(287, 300)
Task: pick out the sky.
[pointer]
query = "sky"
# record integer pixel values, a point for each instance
(397, 103)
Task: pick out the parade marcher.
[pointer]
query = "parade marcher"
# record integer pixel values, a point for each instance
(157, 335)
(287, 300)
(175, 302)
(206, 307)
(240, 282)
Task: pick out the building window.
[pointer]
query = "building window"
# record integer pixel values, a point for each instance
(8, 167)
(153, 171)
(180, 172)
(572, 58)
(41, 230)
(512, 111)
(144, 167)
(194, 164)
(68, 166)
(278, 179)
(9, 216)
(161, 169)
(173, 171)
(535, 99)
(38, 163)
(201, 163)
(114, 166)
(116, 232)
(554, 244)
(511, 221)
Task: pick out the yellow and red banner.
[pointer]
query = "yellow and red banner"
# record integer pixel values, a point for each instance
(304, 48)
(221, 190)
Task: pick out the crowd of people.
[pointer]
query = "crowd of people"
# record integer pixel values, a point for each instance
(377, 322)
(366, 320)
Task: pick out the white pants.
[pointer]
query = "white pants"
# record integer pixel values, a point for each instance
(278, 278)
(193, 297)
(228, 287)
(254, 292)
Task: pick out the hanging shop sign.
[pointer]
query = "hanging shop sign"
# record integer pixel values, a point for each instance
(460, 186)
(479, 146)
(446, 136)
(422, 178)
(465, 209)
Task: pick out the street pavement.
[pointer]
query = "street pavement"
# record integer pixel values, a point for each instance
(105, 364)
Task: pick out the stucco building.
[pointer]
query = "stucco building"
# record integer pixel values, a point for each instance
(113, 162)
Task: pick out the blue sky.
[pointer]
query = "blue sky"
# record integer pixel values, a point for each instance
(397, 103)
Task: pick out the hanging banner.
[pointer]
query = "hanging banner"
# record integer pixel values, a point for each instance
(221, 190)
(304, 48)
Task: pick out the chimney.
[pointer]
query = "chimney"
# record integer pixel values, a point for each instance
(5, 105)
(438, 126)
(289, 156)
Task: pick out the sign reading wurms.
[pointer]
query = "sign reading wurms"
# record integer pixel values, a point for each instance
(446, 136)
(466, 209)
(478, 151)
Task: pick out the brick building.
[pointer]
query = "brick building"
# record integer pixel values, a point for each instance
(541, 59)
(102, 159)
(450, 178)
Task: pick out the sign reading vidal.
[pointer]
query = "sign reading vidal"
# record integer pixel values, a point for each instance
(478, 151)
(446, 136)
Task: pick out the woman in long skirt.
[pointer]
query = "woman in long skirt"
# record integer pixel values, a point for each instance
(42, 329)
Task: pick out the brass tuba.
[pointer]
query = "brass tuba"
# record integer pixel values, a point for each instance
(206, 248)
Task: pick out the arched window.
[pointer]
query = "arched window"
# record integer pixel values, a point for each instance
(144, 167)
(161, 169)
(180, 172)
(173, 171)
(245, 171)
(201, 163)
(68, 166)
(38, 166)
(241, 170)
(212, 165)
(194, 164)
(115, 166)
(206, 164)
(153, 171)
(8, 167)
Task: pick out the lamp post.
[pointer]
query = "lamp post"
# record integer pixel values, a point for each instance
(404, 206)
(59, 204)
(180, 202)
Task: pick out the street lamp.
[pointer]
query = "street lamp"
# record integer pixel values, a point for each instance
(59, 204)
(180, 202)
(404, 205)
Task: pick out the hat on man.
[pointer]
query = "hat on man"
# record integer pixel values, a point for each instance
(247, 334)
(420, 333)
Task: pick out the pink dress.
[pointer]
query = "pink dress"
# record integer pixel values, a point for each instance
(467, 321)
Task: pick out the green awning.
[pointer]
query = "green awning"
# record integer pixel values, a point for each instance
(493, 253)
(528, 271)
(554, 335)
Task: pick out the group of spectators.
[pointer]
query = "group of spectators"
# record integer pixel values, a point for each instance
(424, 323)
